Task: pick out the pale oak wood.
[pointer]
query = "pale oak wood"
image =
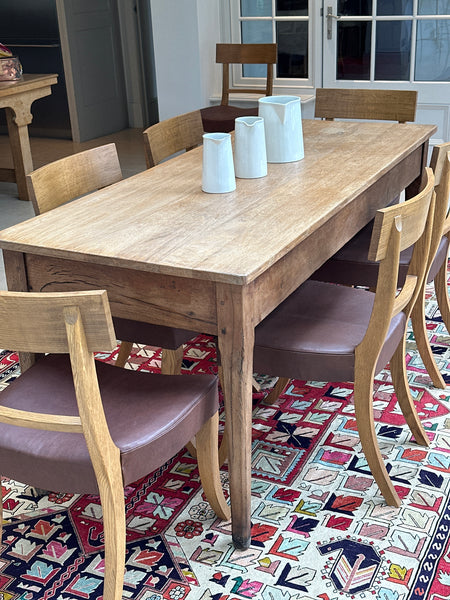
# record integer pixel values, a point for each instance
(390, 105)
(17, 97)
(174, 261)
(162, 140)
(72, 176)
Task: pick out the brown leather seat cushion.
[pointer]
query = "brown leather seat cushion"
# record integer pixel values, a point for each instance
(350, 265)
(221, 118)
(313, 333)
(151, 417)
(152, 335)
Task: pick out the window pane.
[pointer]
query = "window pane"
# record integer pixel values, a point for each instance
(394, 7)
(354, 8)
(434, 7)
(288, 8)
(393, 49)
(256, 32)
(353, 60)
(292, 39)
(432, 51)
(261, 8)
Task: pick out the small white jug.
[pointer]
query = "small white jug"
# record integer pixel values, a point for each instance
(250, 160)
(218, 168)
(283, 127)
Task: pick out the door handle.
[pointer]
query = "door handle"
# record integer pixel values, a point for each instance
(330, 18)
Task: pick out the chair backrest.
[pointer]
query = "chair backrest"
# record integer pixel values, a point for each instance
(440, 163)
(245, 54)
(383, 105)
(168, 137)
(73, 176)
(396, 228)
(34, 322)
(78, 323)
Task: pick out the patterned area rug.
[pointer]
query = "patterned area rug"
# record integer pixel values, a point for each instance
(320, 530)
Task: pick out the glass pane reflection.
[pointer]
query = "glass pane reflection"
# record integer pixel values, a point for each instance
(394, 7)
(393, 48)
(256, 32)
(433, 51)
(353, 50)
(260, 8)
(434, 7)
(292, 39)
(354, 8)
(287, 8)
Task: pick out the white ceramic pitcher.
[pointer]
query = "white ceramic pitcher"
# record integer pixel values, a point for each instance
(250, 160)
(218, 168)
(283, 128)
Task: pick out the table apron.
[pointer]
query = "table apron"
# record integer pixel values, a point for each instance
(139, 295)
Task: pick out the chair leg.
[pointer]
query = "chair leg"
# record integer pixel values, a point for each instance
(363, 399)
(277, 390)
(123, 354)
(171, 361)
(113, 507)
(208, 466)
(422, 341)
(440, 286)
(402, 391)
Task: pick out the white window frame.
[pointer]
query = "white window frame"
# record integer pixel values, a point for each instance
(231, 15)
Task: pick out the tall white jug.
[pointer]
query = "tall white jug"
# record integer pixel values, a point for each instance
(250, 160)
(218, 167)
(283, 128)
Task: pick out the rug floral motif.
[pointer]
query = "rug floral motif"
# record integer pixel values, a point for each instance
(320, 528)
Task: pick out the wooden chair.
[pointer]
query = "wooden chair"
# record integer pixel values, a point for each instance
(351, 266)
(221, 118)
(168, 137)
(67, 178)
(66, 425)
(329, 332)
(383, 105)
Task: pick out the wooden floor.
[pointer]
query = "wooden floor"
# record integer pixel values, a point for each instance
(130, 147)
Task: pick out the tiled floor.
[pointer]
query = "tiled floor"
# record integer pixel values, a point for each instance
(130, 148)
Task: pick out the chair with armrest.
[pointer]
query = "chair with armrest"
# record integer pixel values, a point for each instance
(221, 118)
(351, 266)
(70, 423)
(67, 178)
(330, 332)
(162, 140)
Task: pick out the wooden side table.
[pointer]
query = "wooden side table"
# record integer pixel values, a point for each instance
(17, 97)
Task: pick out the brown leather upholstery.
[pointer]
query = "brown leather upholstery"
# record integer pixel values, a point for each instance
(350, 265)
(150, 417)
(315, 331)
(152, 335)
(221, 118)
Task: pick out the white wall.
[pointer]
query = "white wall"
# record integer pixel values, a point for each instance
(185, 33)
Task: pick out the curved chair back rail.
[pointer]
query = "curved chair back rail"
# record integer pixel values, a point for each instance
(386, 105)
(162, 140)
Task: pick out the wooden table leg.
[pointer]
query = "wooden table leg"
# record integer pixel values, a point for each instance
(16, 278)
(236, 341)
(20, 147)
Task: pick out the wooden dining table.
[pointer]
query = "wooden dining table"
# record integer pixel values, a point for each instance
(169, 253)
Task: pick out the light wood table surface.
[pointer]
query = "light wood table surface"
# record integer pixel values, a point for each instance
(169, 253)
(17, 97)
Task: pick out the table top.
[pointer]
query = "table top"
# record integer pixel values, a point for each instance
(26, 83)
(161, 221)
